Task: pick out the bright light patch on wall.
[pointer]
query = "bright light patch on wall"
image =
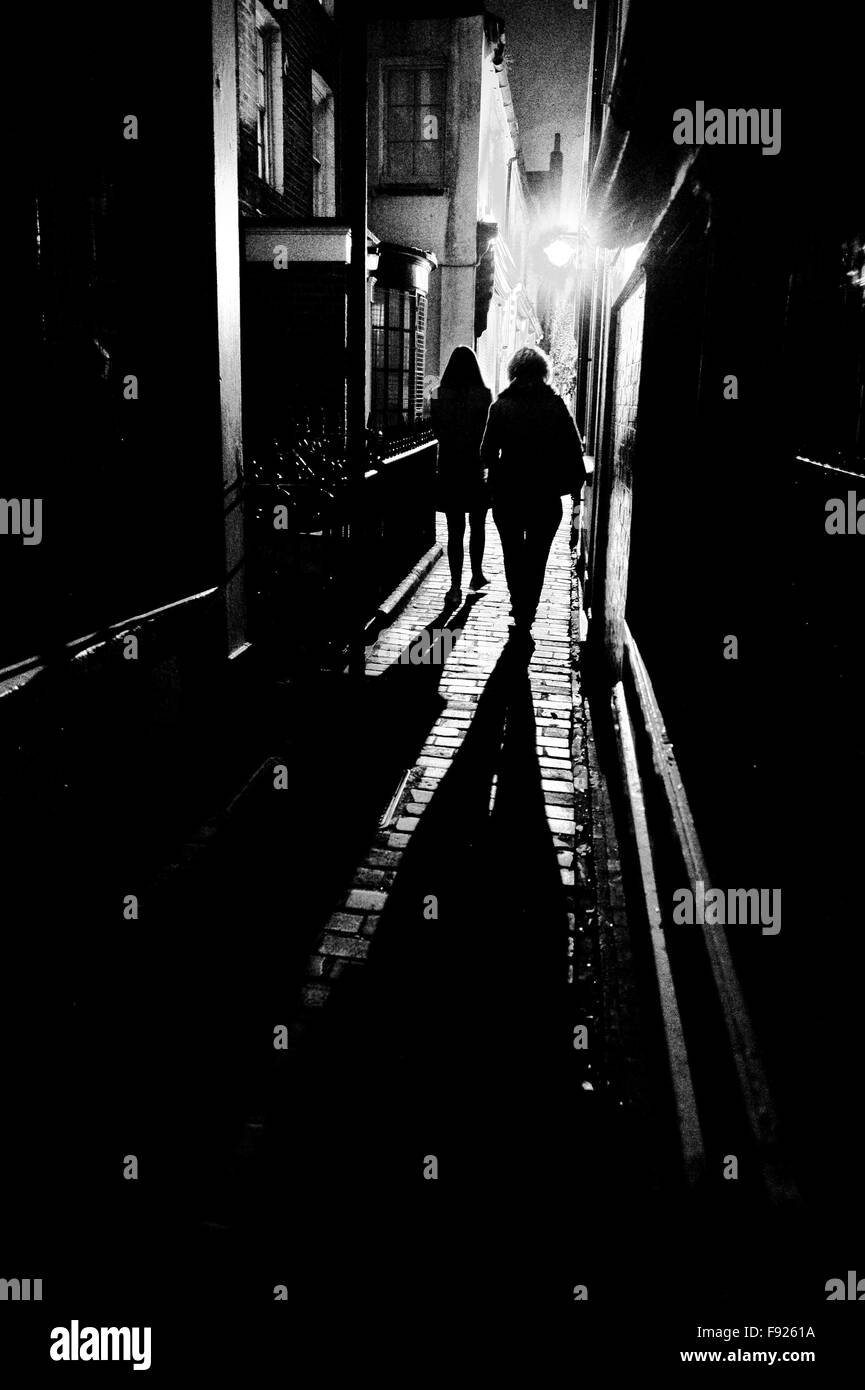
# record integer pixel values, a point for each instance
(628, 258)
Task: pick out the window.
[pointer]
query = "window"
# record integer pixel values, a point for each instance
(268, 97)
(323, 150)
(413, 125)
(263, 41)
(398, 357)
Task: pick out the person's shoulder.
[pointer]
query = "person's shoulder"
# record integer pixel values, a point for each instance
(558, 403)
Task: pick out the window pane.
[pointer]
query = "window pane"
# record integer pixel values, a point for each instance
(399, 163)
(394, 347)
(394, 309)
(428, 123)
(429, 83)
(400, 125)
(428, 161)
(400, 87)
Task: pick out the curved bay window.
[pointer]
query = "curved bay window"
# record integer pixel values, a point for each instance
(399, 309)
(398, 352)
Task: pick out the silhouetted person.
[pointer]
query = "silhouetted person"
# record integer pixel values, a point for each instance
(534, 455)
(459, 415)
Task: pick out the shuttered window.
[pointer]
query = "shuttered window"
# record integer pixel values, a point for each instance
(398, 357)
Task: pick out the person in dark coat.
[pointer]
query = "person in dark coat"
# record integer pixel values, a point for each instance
(534, 455)
(459, 415)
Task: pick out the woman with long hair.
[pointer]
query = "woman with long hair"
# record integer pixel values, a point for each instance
(534, 455)
(459, 416)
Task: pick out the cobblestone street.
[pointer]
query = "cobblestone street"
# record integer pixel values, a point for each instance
(442, 996)
(492, 722)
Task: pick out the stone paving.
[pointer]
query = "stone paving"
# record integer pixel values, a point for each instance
(467, 647)
(454, 1039)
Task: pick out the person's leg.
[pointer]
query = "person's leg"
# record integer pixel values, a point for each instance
(540, 533)
(477, 542)
(456, 531)
(510, 527)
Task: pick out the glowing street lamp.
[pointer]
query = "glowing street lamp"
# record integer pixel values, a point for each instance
(562, 249)
(559, 252)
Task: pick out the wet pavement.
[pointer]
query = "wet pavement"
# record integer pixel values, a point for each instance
(436, 1020)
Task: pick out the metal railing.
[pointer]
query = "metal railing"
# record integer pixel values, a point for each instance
(308, 582)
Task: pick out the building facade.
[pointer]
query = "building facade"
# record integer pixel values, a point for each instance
(445, 175)
(721, 393)
(290, 111)
(507, 213)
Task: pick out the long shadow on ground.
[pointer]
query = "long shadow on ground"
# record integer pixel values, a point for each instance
(452, 1041)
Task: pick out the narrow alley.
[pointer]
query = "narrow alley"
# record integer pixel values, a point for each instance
(423, 915)
(436, 1009)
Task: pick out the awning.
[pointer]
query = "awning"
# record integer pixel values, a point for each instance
(404, 267)
(635, 178)
(321, 242)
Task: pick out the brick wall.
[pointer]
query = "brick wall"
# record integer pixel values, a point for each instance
(310, 41)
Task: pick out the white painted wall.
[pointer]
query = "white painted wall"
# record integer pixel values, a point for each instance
(478, 147)
(506, 202)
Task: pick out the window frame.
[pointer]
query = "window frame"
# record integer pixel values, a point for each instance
(416, 64)
(263, 107)
(269, 34)
(408, 413)
(323, 171)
